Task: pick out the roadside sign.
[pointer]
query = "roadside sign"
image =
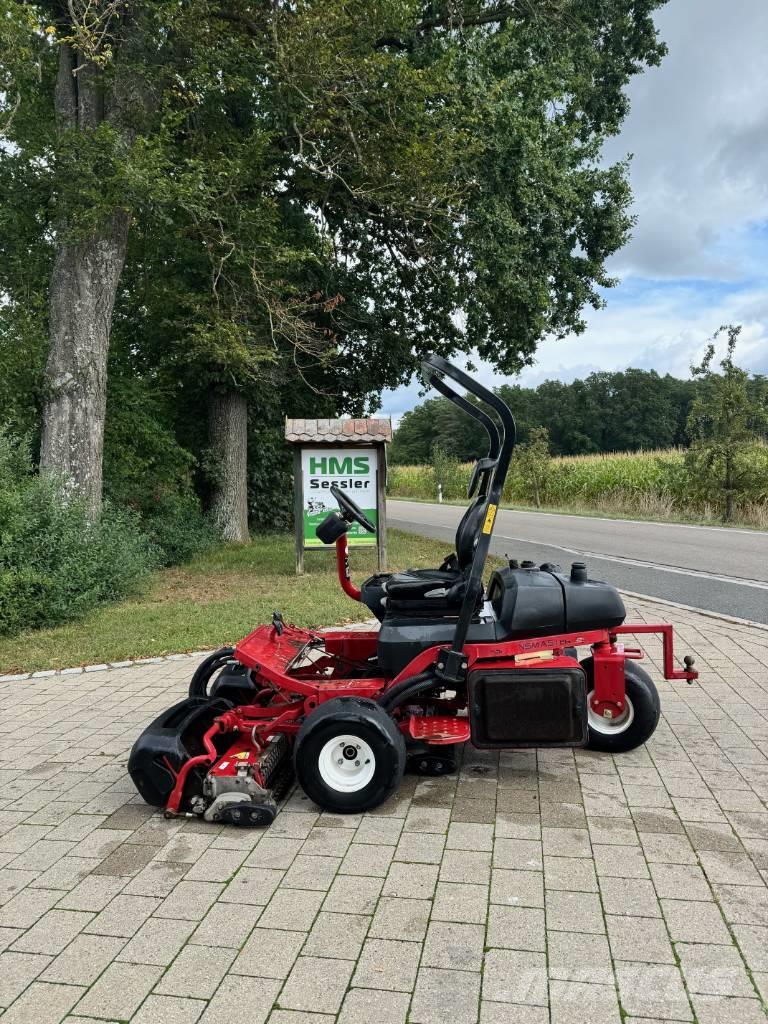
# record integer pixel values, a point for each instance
(351, 469)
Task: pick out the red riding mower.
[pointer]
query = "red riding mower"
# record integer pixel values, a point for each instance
(451, 662)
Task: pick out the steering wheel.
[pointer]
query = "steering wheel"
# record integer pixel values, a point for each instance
(350, 510)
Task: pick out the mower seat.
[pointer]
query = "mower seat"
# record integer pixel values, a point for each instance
(429, 591)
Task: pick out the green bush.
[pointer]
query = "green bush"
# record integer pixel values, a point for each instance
(270, 479)
(55, 564)
(177, 528)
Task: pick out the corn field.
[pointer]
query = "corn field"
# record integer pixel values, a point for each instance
(653, 483)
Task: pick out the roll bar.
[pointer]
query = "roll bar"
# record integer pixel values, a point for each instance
(451, 664)
(481, 472)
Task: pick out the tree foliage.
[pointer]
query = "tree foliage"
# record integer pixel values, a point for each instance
(532, 460)
(727, 421)
(608, 411)
(317, 193)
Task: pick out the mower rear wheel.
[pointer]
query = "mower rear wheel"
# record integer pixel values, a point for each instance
(639, 720)
(349, 755)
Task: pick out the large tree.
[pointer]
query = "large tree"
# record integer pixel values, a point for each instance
(341, 188)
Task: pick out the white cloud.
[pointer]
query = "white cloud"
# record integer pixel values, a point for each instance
(698, 132)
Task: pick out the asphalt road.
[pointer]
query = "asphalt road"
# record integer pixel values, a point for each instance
(707, 567)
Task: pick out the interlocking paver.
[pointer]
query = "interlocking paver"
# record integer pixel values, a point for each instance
(387, 963)
(196, 972)
(43, 1003)
(454, 946)
(157, 942)
(442, 995)
(269, 953)
(693, 921)
(293, 909)
(17, 970)
(516, 928)
(567, 876)
(653, 990)
(374, 1006)
(234, 993)
(714, 970)
(316, 984)
(120, 991)
(456, 901)
(574, 911)
(513, 976)
(168, 1010)
(573, 956)
(226, 924)
(123, 916)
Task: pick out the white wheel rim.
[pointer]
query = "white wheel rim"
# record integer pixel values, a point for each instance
(346, 764)
(611, 726)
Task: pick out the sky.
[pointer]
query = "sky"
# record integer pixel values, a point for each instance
(698, 258)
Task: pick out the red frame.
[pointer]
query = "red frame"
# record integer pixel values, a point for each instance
(301, 669)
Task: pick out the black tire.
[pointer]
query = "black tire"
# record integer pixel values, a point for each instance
(642, 700)
(198, 687)
(376, 734)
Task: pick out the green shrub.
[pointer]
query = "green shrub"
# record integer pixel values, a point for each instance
(177, 528)
(270, 479)
(55, 564)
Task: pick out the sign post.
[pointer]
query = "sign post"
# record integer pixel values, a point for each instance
(350, 454)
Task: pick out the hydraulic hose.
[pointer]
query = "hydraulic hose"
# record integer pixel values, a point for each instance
(198, 686)
(398, 694)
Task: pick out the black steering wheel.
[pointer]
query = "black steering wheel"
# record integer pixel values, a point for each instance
(350, 511)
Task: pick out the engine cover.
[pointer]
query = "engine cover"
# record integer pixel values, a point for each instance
(528, 707)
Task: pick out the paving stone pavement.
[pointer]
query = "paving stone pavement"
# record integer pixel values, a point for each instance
(554, 886)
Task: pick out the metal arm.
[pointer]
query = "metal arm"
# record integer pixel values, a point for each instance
(452, 665)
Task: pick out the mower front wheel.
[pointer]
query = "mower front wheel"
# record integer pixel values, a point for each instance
(640, 717)
(349, 755)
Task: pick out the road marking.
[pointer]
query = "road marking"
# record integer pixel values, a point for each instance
(639, 564)
(636, 562)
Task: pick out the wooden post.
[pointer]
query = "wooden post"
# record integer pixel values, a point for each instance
(298, 509)
(381, 504)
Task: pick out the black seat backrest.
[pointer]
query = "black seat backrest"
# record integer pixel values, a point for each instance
(468, 532)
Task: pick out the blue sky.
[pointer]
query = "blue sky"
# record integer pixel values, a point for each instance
(698, 258)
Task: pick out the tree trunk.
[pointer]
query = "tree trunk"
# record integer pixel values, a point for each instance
(728, 487)
(84, 281)
(228, 434)
(82, 295)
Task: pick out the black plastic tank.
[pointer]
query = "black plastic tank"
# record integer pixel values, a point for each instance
(527, 602)
(531, 602)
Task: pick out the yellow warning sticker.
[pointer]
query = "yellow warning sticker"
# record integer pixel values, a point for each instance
(489, 518)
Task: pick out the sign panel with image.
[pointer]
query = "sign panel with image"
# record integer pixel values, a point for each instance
(351, 469)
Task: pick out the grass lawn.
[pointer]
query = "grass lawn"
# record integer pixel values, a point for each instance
(214, 600)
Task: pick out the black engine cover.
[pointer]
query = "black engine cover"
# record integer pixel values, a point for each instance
(528, 707)
(175, 735)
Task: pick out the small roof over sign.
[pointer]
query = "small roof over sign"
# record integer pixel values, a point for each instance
(339, 431)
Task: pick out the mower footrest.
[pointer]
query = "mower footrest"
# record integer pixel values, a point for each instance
(439, 729)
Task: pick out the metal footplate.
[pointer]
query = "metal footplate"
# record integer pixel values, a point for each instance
(437, 729)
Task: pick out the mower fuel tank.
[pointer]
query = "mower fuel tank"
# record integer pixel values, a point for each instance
(527, 602)
(590, 604)
(534, 602)
(529, 707)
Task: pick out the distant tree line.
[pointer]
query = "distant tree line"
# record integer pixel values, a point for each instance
(626, 410)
